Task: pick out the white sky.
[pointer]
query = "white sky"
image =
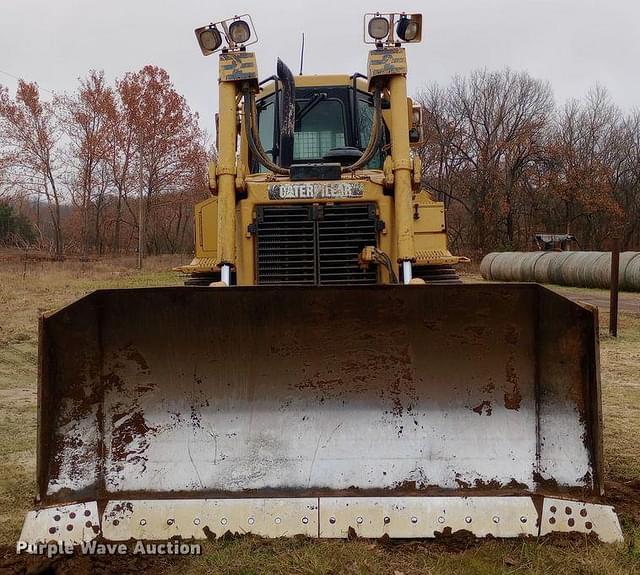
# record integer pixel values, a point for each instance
(572, 43)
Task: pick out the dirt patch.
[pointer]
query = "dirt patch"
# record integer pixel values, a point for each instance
(625, 497)
(569, 540)
(446, 542)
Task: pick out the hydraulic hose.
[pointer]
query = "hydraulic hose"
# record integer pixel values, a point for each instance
(253, 137)
(374, 138)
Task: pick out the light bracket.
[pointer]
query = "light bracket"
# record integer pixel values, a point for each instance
(222, 27)
(394, 18)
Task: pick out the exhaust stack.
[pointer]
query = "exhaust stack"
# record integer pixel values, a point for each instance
(287, 114)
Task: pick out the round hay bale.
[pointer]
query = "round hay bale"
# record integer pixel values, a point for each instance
(525, 271)
(485, 265)
(630, 278)
(601, 271)
(541, 267)
(571, 268)
(586, 265)
(502, 266)
(556, 268)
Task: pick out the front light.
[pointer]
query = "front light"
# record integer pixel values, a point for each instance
(408, 29)
(232, 34)
(378, 27)
(210, 39)
(392, 28)
(239, 31)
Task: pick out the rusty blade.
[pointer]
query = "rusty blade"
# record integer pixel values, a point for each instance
(200, 392)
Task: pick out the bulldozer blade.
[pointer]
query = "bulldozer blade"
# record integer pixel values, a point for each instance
(162, 397)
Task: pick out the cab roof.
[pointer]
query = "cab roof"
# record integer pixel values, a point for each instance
(316, 80)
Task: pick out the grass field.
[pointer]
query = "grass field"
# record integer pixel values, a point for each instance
(27, 290)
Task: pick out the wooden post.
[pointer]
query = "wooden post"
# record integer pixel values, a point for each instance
(613, 290)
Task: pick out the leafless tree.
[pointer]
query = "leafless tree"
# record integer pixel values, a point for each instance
(30, 135)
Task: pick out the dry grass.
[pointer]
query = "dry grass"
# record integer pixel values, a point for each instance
(621, 391)
(252, 556)
(25, 291)
(46, 285)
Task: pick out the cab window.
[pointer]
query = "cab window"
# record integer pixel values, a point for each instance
(321, 128)
(364, 126)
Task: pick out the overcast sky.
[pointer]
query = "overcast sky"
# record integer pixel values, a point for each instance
(572, 43)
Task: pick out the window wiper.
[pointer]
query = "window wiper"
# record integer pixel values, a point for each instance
(310, 105)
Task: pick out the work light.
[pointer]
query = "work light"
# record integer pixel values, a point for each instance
(408, 29)
(209, 39)
(392, 29)
(378, 27)
(239, 31)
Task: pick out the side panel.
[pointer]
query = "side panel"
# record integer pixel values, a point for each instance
(207, 228)
(70, 401)
(428, 218)
(570, 445)
(430, 234)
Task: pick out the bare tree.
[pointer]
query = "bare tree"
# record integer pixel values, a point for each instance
(484, 134)
(584, 169)
(31, 133)
(86, 125)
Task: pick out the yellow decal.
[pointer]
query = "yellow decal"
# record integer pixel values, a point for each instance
(235, 66)
(387, 61)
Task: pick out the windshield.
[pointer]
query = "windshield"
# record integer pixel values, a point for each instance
(266, 126)
(320, 128)
(324, 120)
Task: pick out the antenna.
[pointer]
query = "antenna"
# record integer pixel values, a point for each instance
(302, 54)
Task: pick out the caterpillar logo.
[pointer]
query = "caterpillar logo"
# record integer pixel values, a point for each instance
(315, 190)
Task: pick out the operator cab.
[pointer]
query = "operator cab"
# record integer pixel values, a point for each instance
(333, 122)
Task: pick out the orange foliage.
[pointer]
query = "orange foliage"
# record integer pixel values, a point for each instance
(84, 152)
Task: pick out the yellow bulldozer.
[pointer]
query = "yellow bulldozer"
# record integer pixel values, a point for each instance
(324, 372)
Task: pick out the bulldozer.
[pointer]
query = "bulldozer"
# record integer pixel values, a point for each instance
(324, 372)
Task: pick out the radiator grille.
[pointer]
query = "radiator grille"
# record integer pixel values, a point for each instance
(342, 233)
(319, 244)
(286, 245)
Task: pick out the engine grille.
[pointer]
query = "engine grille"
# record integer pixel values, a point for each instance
(314, 244)
(286, 245)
